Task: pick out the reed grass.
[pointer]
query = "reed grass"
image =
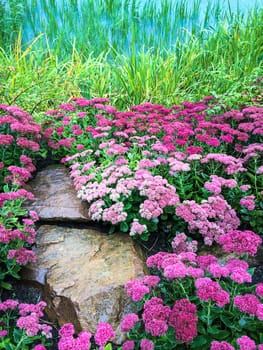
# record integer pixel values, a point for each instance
(97, 26)
(224, 61)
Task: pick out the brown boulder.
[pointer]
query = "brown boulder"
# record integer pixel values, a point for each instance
(82, 273)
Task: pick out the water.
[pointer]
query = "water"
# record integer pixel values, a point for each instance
(126, 26)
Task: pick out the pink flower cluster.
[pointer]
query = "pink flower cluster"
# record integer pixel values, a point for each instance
(183, 318)
(13, 195)
(215, 186)
(155, 317)
(29, 317)
(250, 304)
(188, 264)
(240, 242)
(22, 255)
(180, 244)
(207, 289)
(104, 333)
(248, 202)
(137, 288)
(211, 218)
(231, 164)
(67, 340)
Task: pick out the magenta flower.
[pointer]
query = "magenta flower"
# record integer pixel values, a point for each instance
(103, 334)
(67, 330)
(248, 202)
(146, 344)
(245, 343)
(247, 303)
(224, 345)
(259, 289)
(39, 347)
(183, 319)
(136, 290)
(128, 345)
(240, 242)
(3, 333)
(128, 322)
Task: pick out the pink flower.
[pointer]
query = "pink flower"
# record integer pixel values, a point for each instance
(128, 345)
(28, 144)
(3, 333)
(240, 242)
(260, 170)
(137, 228)
(8, 304)
(217, 270)
(67, 107)
(66, 343)
(205, 260)
(155, 317)
(29, 323)
(216, 345)
(227, 138)
(82, 342)
(259, 289)
(39, 347)
(213, 141)
(150, 281)
(193, 150)
(240, 275)
(146, 344)
(177, 270)
(244, 187)
(248, 202)
(183, 319)
(247, 303)
(136, 290)
(6, 140)
(103, 334)
(259, 312)
(115, 213)
(128, 322)
(22, 255)
(67, 330)
(211, 290)
(180, 244)
(246, 343)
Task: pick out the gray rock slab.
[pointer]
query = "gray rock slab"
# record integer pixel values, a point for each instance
(55, 196)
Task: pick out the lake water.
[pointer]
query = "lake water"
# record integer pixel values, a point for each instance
(126, 25)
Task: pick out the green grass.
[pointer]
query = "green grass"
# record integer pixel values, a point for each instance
(225, 62)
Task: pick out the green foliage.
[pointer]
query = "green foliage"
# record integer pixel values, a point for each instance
(225, 61)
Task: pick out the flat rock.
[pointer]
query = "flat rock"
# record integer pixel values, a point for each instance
(55, 196)
(82, 273)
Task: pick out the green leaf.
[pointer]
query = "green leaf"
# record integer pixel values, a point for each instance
(164, 217)
(201, 329)
(108, 347)
(213, 330)
(17, 334)
(6, 285)
(227, 322)
(222, 334)
(199, 341)
(127, 206)
(124, 227)
(7, 346)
